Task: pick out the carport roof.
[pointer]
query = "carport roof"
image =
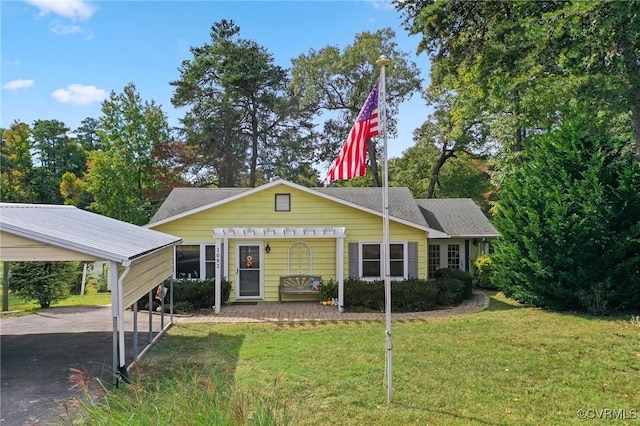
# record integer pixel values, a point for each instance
(81, 231)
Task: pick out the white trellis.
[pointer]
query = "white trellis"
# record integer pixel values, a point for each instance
(300, 259)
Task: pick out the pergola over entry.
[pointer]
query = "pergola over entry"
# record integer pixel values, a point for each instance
(139, 258)
(222, 235)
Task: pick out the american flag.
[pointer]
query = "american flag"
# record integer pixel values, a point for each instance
(351, 161)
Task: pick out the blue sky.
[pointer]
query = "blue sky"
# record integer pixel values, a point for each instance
(61, 58)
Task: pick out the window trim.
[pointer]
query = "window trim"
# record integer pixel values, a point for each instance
(202, 261)
(405, 260)
(288, 202)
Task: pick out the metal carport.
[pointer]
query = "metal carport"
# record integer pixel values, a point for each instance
(139, 258)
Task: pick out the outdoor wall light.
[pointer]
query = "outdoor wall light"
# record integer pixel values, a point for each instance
(267, 248)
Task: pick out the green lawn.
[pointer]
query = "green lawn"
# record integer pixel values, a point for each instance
(507, 365)
(91, 298)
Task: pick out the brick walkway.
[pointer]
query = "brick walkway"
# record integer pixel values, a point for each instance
(315, 312)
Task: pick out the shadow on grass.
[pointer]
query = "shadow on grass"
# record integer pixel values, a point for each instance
(499, 302)
(458, 417)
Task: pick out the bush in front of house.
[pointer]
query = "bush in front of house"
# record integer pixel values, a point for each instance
(413, 295)
(450, 291)
(482, 273)
(198, 294)
(455, 274)
(361, 295)
(190, 295)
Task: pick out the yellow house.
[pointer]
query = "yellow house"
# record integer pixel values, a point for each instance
(254, 236)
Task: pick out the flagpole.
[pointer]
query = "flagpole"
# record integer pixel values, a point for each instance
(383, 61)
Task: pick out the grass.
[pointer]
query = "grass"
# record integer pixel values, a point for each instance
(91, 298)
(507, 365)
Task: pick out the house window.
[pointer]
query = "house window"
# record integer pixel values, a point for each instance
(195, 261)
(371, 260)
(453, 256)
(283, 202)
(188, 261)
(433, 260)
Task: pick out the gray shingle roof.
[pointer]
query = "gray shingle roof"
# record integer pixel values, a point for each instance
(455, 217)
(401, 202)
(182, 200)
(81, 231)
(458, 217)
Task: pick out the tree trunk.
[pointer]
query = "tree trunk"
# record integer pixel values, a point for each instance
(435, 174)
(373, 163)
(254, 151)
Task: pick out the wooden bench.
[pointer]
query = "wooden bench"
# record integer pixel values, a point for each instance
(299, 284)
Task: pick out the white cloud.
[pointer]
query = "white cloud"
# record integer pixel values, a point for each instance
(13, 63)
(72, 9)
(59, 28)
(18, 84)
(382, 4)
(79, 94)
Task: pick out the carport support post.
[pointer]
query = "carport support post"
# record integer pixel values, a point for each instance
(135, 330)
(117, 313)
(171, 298)
(113, 284)
(5, 286)
(162, 306)
(150, 316)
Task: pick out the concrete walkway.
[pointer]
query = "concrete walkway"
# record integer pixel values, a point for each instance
(316, 312)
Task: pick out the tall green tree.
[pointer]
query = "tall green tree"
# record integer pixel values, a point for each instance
(239, 104)
(87, 134)
(569, 220)
(44, 282)
(521, 67)
(600, 42)
(121, 174)
(337, 82)
(56, 153)
(16, 165)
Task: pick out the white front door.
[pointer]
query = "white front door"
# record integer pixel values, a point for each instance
(249, 274)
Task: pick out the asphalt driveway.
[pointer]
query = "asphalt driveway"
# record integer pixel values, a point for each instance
(37, 352)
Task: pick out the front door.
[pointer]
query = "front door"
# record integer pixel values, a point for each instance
(249, 271)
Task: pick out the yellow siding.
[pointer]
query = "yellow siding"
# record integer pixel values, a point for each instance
(14, 248)
(258, 210)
